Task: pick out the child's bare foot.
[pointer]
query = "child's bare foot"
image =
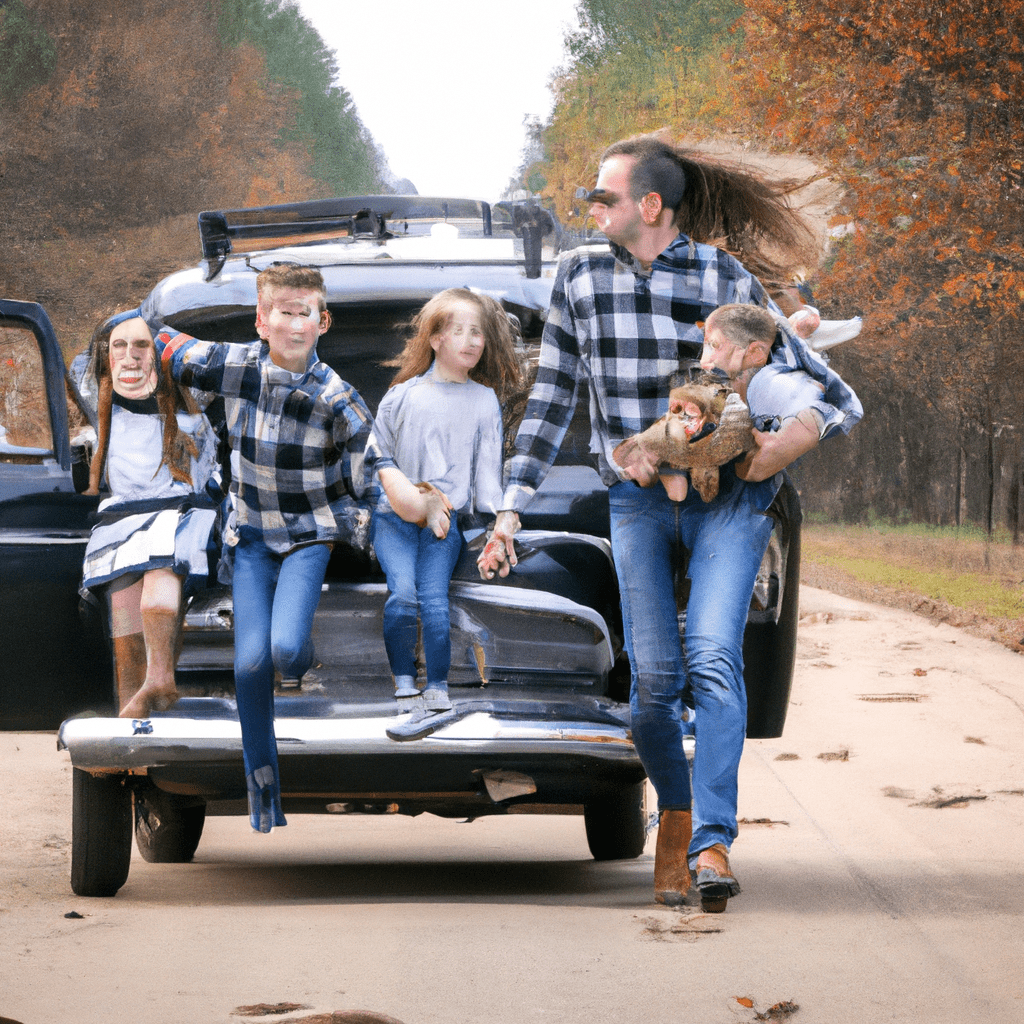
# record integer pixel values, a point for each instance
(152, 697)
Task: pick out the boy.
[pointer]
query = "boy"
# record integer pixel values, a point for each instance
(787, 405)
(781, 400)
(297, 434)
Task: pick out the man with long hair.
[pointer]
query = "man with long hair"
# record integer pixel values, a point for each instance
(628, 320)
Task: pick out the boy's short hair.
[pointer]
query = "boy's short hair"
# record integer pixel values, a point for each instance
(291, 275)
(742, 323)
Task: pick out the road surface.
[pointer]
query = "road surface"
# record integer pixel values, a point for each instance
(881, 854)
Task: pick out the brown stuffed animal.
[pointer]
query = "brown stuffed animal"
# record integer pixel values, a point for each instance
(680, 439)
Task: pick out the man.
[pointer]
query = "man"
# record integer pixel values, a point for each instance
(627, 321)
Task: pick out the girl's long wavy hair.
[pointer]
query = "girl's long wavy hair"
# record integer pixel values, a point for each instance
(499, 367)
(178, 447)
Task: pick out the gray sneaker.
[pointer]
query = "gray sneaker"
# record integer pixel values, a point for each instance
(435, 698)
(421, 723)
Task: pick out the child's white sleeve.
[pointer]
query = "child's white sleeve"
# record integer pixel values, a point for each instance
(487, 460)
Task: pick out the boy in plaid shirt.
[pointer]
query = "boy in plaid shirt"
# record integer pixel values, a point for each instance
(297, 433)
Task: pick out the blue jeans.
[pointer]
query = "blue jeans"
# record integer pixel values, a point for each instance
(419, 569)
(726, 539)
(275, 597)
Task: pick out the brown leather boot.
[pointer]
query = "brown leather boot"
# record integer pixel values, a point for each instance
(714, 879)
(129, 666)
(161, 629)
(671, 871)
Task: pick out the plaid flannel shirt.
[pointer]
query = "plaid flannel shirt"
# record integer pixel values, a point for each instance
(297, 444)
(627, 331)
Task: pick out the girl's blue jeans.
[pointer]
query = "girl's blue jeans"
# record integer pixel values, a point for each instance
(275, 597)
(726, 539)
(419, 569)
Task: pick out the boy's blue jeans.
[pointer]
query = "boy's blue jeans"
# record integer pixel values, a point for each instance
(726, 539)
(419, 569)
(275, 597)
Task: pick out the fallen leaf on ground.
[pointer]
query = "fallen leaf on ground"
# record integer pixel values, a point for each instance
(899, 794)
(345, 1017)
(951, 801)
(267, 1009)
(685, 929)
(835, 755)
(893, 698)
(778, 1011)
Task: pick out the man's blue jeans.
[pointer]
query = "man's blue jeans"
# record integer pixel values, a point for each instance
(726, 539)
(419, 569)
(275, 597)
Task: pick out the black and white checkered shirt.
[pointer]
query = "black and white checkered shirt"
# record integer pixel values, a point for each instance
(297, 441)
(627, 331)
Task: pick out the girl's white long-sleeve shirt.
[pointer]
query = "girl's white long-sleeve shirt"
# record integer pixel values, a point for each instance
(445, 433)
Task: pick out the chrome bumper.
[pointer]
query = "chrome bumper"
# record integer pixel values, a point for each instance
(134, 746)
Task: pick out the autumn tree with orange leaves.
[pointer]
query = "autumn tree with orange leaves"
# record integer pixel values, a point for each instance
(917, 111)
(123, 121)
(914, 111)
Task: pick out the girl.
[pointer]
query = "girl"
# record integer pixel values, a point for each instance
(149, 548)
(436, 448)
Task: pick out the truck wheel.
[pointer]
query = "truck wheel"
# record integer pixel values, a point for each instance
(617, 824)
(101, 833)
(167, 827)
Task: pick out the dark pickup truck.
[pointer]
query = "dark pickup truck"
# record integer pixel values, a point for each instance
(539, 680)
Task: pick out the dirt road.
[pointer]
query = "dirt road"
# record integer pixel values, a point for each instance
(881, 853)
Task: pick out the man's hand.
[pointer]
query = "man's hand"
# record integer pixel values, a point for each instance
(637, 462)
(777, 449)
(499, 555)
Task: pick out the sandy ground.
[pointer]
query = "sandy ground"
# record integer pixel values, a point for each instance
(881, 851)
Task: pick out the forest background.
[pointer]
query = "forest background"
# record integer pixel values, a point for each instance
(121, 121)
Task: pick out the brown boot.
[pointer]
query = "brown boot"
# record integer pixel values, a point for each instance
(162, 628)
(714, 879)
(129, 666)
(671, 871)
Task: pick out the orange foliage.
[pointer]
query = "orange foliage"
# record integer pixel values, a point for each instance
(913, 108)
(915, 111)
(146, 116)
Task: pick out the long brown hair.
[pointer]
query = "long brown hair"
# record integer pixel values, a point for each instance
(499, 366)
(730, 207)
(178, 447)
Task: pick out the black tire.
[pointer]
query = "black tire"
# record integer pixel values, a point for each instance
(617, 824)
(167, 827)
(101, 833)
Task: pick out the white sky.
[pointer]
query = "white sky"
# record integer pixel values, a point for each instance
(444, 85)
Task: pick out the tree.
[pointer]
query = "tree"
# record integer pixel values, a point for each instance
(917, 110)
(632, 67)
(325, 118)
(27, 53)
(914, 110)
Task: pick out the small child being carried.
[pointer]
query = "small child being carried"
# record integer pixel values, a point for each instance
(436, 449)
(750, 406)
